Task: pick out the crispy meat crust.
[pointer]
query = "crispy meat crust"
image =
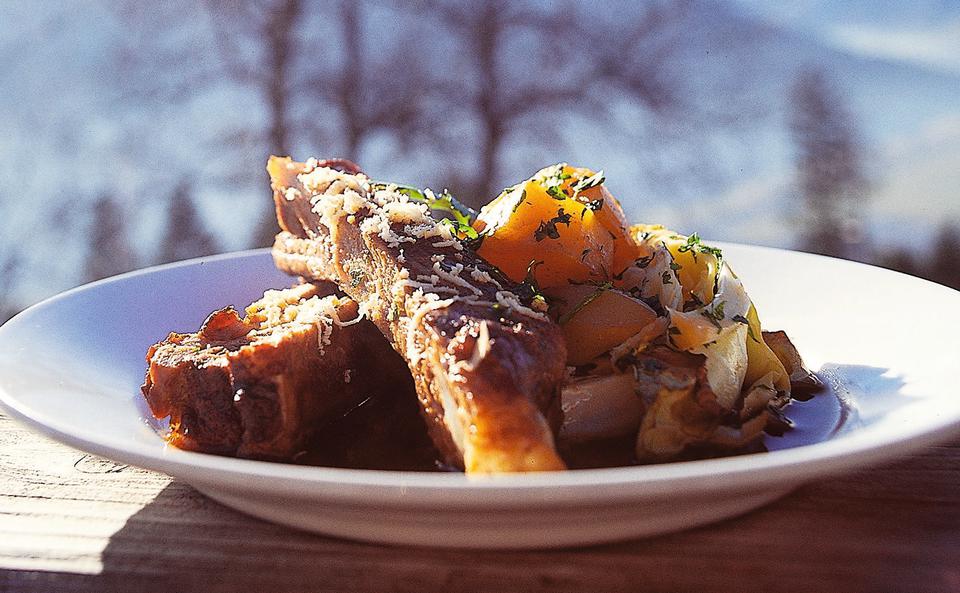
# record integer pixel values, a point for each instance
(261, 386)
(487, 368)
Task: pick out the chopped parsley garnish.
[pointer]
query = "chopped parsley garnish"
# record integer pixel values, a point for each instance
(453, 213)
(460, 229)
(530, 279)
(555, 192)
(521, 199)
(552, 181)
(715, 315)
(643, 262)
(356, 277)
(586, 301)
(695, 246)
(548, 228)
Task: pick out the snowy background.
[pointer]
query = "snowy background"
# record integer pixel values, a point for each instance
(133, 133)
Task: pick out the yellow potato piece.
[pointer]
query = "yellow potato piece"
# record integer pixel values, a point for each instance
(600, 408)
(600, 320)
(696, 267)
(574, 235)
(761, 358)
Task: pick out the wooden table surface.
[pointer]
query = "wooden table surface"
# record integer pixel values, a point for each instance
(73, 522)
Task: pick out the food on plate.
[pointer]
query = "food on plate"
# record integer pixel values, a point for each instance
(564, 218)
(486, 359)
(261, 386)
(595, 319)
(642, 309)
(543, 332)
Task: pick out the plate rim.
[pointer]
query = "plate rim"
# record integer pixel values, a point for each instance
(785, 467)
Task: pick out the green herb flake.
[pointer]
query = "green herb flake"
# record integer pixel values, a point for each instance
(454, 214)
(586, 301)
(548, 228)
(552, 180)
(715, 315)
(643, 262)
(695, 245)
(530, 279)
(521, 200)
(745, 321)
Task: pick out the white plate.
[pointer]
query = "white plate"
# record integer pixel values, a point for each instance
(888, 344)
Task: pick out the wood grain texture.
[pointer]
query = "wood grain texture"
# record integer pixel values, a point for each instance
(73, 522)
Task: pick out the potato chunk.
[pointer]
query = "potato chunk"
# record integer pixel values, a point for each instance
(563, 218)
(595, 319)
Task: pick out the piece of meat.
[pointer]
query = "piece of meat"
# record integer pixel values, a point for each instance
(487, 367)
(260, 386)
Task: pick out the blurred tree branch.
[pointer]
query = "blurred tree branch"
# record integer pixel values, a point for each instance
(829, 167)
(9, 271)
(109, 251)
(591, 66)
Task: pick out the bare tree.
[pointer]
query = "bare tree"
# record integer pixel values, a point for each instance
(110, 251)
(477, 81)
(348, 87)
(8, 280)
(496, 93)
(270, 27)
(185, 235)
(372, 90)
(901, 260)
(829, 166)
(570, 64)
(945, 260)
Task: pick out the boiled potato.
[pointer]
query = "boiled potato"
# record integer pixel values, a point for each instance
(595, 319)
(563, 218)
(695, 263)
(600, 408)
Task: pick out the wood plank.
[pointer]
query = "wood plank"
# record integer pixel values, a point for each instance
(72, 522)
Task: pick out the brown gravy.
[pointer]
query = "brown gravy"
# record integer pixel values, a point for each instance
(386, 433)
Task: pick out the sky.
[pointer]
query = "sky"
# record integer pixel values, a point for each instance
(916, 171)
(67, 135)
(925, 33)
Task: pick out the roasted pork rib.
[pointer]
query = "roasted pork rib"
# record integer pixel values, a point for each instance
(487, 366)
(262, 385)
